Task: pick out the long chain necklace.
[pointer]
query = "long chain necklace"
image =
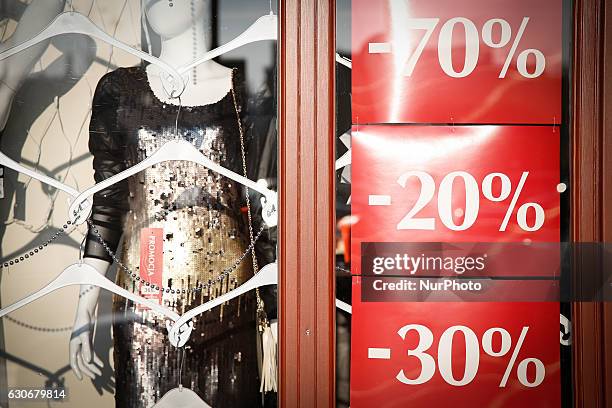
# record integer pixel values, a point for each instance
(194, 45)
(262, 319)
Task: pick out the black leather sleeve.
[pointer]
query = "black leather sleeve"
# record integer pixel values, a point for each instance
(106, 145)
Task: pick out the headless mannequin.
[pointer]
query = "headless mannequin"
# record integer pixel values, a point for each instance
(182, 29)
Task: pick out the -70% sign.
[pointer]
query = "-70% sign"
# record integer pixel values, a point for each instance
(472, 201)
(472, 46)
(472, 355)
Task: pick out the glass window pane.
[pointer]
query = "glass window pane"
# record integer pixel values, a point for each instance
(174, 101)
(452, 203)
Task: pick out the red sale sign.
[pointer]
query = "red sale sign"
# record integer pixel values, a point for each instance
(454, 248)
(457, 61)
(462, 355)
(454, 184)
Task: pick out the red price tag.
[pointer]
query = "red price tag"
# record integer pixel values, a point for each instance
(457, 61)
(151, 262)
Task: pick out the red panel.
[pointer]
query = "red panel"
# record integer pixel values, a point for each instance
(376, 325)
(380, 156)
(383, 92)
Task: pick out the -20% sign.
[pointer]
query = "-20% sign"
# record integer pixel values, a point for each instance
(472, 356)
(472, 46)
(472, 201)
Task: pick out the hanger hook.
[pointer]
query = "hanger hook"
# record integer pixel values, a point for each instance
(145, 28)
(178, 113)
(271, 12)
(71, 4)
(181, 351)
(176, 83)
(82, 250)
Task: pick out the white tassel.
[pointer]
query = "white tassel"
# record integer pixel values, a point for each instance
(268, 367)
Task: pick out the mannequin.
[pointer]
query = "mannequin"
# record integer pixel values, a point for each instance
(131, 116)
(209, 81)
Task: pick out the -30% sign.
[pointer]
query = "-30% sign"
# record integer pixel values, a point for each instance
(472, 46)
(472, 355)
(472, 201)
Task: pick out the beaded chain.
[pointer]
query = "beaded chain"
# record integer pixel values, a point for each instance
(38, 328)
(35, 251)
(131, 274)
(136, 277)
(46, 328)
(262, 318)
(338, 268)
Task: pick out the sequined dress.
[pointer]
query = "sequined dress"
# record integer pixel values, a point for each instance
(204, 232)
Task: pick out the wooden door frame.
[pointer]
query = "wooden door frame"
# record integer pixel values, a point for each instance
(306, 195)
(591, 205)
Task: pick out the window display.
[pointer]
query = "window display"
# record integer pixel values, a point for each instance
(351, 203)
(183, 210)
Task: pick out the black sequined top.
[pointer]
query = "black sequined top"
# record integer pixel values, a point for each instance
(124, 112)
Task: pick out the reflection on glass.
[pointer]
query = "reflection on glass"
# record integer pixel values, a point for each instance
(415, 123)
(180, 224)
(343, 201)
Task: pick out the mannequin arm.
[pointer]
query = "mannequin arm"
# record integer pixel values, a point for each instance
(82, 358)
(88, 295)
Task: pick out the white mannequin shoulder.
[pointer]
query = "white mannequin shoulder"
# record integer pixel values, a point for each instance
(212, 83)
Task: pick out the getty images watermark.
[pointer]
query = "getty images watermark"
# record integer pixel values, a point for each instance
(484, 271)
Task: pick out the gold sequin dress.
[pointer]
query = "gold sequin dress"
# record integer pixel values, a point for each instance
(204, 232)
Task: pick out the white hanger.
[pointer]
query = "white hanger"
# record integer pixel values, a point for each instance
(344, 61)
(175, 150)
(268, 275)
(172, 150)
(264, 28)
(179, 327)
(84, 274)
(73, 22)
(343, 160)
(181, 397)
(344, 306)
(10, 163)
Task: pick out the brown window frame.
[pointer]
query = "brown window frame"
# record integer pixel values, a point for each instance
(306, 194)
(591, 205)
